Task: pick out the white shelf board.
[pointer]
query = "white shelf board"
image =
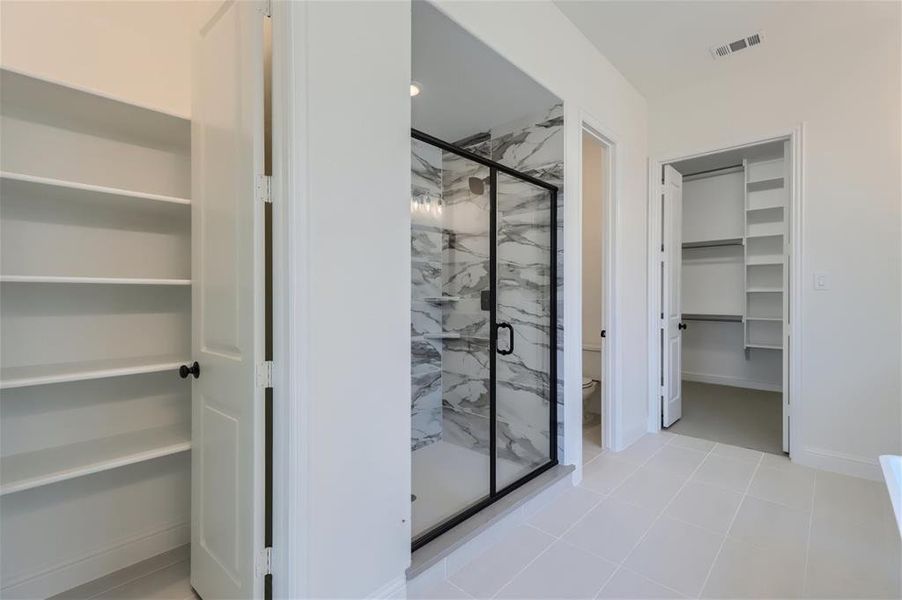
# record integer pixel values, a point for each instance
(764, 318)
(764, 260)
(765, 290)
(72, 190)
(42, 467)
(92, 280)
(16, 377)
(761, 185)
(41, 96)
(764, 346)
(764, 235)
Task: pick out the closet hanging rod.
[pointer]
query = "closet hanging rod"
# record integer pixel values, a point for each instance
(715, 318)
(713, 243)
(709, 171)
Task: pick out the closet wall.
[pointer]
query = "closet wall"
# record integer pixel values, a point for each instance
(95, 297)
(734, 269)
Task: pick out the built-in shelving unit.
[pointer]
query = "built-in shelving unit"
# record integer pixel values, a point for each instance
(95, 312)
(20, 472)
(91, 280)
(766, 199)
(30, 375)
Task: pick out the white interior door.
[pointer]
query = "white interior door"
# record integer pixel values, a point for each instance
(227, 320)
(673, 326)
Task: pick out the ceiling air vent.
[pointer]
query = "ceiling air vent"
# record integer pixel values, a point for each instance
(741, 44)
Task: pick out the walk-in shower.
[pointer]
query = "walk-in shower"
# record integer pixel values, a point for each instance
(483, 331)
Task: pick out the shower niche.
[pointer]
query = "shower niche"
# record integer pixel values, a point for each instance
(484, 317)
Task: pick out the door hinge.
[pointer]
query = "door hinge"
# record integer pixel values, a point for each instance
(264, 562)
(264, 188)
(264, 374)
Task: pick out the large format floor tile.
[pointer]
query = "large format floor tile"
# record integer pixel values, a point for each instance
(629, 585)
(611, 529)
(586, 574)
(746, 571)
(675, 518)
(707, 506)
(565, 510)
(483, 576)
(676, 554)
(770, 525)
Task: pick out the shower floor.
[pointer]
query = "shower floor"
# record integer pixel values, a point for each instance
(448, 478)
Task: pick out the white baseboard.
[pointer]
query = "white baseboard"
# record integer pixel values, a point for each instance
(732, 382)
(837, 462)
(67, 575)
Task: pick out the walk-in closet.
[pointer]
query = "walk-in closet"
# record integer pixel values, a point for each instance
(733, 285)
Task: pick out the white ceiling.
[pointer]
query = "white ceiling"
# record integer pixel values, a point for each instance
(662, 45)
(467, 87)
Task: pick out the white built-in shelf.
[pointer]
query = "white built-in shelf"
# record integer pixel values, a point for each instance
(68, 191)
(16, 377)
(718, 318)
(764, 319)
(764, 235)
(92, 280)
(765, 290)
(764, 346)
(442, 336)
(26, 93)
(441, 299)
(764, 260)
(776, 204)
(42, 467)
(765, 184)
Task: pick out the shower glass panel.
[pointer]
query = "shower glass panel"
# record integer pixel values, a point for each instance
(482, 340)
(523, 279)
(450, 234)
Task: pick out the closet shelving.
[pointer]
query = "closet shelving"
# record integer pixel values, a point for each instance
(28, 470)
(95, 281)
(766, 199)
(32, 375)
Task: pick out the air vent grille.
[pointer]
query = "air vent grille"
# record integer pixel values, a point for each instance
(729, 48)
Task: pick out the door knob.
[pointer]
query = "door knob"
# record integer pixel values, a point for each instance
(185, 370)
(682, 326)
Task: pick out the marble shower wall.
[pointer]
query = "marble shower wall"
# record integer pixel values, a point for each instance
(426, 283)
(533, 145)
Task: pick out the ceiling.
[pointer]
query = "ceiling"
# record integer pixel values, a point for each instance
(662, 45)
(467, 87)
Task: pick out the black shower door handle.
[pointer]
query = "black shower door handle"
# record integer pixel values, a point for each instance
(510, 330)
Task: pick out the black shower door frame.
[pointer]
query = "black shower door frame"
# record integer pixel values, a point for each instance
(494, 493)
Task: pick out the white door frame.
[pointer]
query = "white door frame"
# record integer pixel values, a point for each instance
(610, 400)
(795, 135)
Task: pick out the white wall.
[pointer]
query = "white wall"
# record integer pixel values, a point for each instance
(573, 70)
(352, 113)
(136, 51)
(847, 93)
(592, 202)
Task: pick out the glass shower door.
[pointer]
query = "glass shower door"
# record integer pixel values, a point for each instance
(524, 327)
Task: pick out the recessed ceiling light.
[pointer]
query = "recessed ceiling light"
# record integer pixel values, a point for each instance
(415, 88)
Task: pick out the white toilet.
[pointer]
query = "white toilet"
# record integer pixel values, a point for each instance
(589, 411)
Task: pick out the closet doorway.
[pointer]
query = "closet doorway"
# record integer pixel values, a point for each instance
(596, 317)
(726, 255)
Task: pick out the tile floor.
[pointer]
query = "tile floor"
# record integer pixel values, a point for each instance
(675, 516)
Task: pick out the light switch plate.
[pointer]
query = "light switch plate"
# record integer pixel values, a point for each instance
(821, 280)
